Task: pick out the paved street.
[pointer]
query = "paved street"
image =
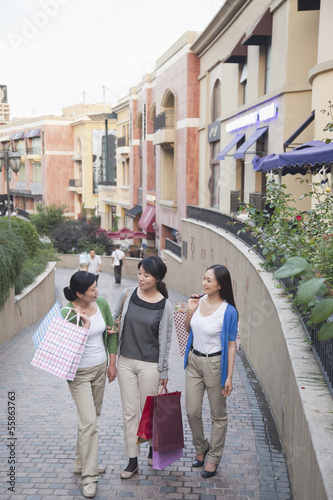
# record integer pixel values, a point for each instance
(253, 464)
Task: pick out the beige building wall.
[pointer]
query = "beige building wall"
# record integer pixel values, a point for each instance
(83, 126)
(321, 74)
(293, 52)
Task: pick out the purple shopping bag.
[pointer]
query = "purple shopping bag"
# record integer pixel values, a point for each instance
(167, 422)
(161, 459)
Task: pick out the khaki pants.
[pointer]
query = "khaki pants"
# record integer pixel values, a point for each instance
(137, 380)
(203, 373)
(87, 390)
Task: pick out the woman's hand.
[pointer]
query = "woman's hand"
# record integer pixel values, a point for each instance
(111, 329)
(112, 372)
(82, 315)
(227, 387)
(163, 383)
(192, 306)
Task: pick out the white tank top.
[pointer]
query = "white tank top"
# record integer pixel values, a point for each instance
(94, 353)
(207, 329)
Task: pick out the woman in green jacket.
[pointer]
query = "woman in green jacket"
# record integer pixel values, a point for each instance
(87, 388)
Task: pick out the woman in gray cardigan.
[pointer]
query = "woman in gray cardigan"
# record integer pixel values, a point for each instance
(143, 349)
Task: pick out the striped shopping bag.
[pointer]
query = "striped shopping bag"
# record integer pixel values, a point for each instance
(60, 350)
(54, 312)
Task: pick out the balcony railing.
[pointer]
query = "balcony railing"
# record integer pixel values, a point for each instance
(173, 247)
(36, 150)
(257, 200)
(108, 183)
(235, 198)
(122, 141)
(164, 120)
(75, 182)
(226, 222)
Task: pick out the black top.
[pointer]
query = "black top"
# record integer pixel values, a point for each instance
(141, 326)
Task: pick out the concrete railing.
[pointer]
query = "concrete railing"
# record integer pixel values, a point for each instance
(22, 311)
(276, 345)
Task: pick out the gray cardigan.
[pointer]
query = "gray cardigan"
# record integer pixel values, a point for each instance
(166, 329)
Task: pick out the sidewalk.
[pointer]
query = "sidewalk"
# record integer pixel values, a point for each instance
(43, 441)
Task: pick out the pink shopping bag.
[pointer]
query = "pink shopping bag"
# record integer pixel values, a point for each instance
(61, 348)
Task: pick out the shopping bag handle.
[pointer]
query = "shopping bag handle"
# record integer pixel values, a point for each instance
(67, 315)
(161, 390)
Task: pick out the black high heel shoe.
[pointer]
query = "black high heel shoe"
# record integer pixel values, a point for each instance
(207, 473)
(200, 463)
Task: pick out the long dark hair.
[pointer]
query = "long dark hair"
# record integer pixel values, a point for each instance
(224, 280)
(155, 266)
(79, 282)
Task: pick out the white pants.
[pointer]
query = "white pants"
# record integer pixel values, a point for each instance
(137, 380)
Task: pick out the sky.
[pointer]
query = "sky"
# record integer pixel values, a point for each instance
(54, 50)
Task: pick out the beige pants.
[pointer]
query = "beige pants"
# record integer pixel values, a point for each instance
(87, 390)
(203, 373)
(137, 380)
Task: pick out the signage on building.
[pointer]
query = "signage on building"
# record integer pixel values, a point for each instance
(214, 131)
(260, 115)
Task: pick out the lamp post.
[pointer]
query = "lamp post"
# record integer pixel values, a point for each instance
(9, 159)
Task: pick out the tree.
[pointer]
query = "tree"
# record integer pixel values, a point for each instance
(48, 218)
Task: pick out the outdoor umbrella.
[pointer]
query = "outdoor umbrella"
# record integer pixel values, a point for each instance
(311, 156)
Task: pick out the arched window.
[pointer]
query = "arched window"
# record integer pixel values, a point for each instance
(216, 102)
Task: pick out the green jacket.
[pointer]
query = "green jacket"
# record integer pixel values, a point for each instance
(110, 341)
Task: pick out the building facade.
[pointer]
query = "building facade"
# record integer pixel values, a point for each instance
(4, 106)
(114, 198)
(93, 163)
(255, 96)
(46, 148)
(164, 119)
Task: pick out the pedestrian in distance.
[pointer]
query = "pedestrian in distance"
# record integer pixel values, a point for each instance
(97, 361)
(212, 320)
(118, 259)
(94, 263)
(145, 333)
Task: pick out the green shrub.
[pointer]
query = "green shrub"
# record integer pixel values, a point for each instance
(12, 256)
(33, 267)
(77, 236)
(48, 218)
(25, 230)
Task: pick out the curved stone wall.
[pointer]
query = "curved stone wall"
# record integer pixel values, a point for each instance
(276, 346)
(22, 311)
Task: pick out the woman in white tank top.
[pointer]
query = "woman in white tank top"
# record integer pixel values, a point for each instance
(209, 361)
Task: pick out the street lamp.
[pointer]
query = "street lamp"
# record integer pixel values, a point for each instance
(9, 159)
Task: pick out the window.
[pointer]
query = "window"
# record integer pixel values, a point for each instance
(36, 172)
(144, 123)
(21, 173)
(243, 83)
(268, 66)
(126, 172)
(216, 103)
(214, 181)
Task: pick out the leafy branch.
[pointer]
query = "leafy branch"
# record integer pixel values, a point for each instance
(314, 291)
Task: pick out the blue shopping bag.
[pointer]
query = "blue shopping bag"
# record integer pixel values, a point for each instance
(53, 313)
